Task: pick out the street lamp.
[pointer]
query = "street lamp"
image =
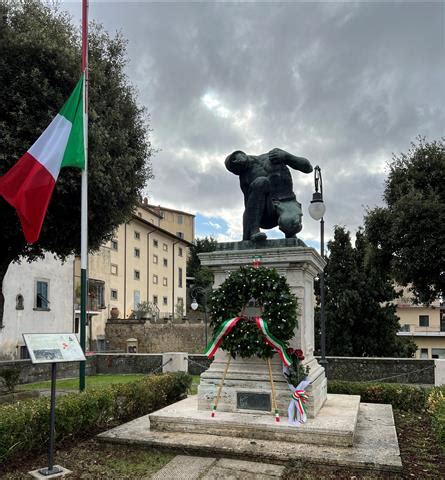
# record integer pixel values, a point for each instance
(194, 305)
(317, 210)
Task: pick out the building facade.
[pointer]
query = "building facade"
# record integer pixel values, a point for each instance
(38, 299)
(424, 324)
(143, 264)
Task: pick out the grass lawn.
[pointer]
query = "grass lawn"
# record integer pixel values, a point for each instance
(73, 383)
(92, 460)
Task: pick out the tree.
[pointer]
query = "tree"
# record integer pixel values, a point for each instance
(39, 66)
(360, 314)
(203, 277)
(410, 229)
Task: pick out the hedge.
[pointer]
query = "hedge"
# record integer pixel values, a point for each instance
(24, 425)
(402, 397)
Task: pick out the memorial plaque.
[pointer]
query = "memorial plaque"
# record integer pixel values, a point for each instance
(253, 401)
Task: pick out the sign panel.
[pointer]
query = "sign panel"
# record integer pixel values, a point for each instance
(253, 401)
(53, 347)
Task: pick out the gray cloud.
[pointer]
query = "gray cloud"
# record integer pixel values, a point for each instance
(344, 84)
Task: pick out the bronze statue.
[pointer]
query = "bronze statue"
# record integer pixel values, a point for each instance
(266, 183)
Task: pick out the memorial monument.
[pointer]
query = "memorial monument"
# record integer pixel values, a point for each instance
(264, 396)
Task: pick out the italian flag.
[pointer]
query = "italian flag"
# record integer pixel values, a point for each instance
(29, 184)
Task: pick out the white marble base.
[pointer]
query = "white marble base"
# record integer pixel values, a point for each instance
(252, 375)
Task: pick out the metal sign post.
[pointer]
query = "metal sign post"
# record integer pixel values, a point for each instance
(52, 348)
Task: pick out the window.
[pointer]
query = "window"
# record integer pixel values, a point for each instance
(155, 299)
(24, 352)
(155, 243)
(155, 259)
(136, 299)
(113, 244)
(424, 320)
(155, 279)
(180, 251)
(162, 213)
(164, 281)
(179, 219)
(165, 300)
(405, 328)
(137, 252)
(438, 353)
(113, 294)
(423, 353)
(165, 247)
(41, 300)
(76, 325)
(180, 277)
(137, 275)
(179, 234)
(165, 262)
(137, 235)
(19, 302)
(113, 269)
(96, 294)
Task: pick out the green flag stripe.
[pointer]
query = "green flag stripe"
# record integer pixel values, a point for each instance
(74, 155)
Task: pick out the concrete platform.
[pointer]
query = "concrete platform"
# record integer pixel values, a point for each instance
(375, 445)
(334, 425)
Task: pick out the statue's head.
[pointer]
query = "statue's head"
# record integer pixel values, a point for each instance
(237, 162)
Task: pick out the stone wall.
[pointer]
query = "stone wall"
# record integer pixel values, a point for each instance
(391, 370)
(414, 371)
(40, 372)
(117, 363)
(156, 338)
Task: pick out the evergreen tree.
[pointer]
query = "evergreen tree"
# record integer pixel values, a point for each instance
(410, 229)
(360, 315)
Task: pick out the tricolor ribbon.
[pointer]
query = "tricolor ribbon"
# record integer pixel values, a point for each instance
(223, 330)
(278, 345)
(296, 411)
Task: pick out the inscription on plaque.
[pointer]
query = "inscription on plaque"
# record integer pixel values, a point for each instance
(253, 401)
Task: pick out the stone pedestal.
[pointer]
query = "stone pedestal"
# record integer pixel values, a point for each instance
(299, 264)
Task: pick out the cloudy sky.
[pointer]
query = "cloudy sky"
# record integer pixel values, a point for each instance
(342, 84)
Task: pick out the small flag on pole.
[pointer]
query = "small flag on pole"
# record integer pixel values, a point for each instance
(29, 184)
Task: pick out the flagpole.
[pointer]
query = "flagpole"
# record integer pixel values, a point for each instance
(84, 199)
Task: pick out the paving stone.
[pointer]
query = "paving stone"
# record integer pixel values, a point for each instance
(252, 467)
(184, 467)
(218, 473)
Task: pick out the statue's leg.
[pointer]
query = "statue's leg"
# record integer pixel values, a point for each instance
(255, 205)
(289, 217)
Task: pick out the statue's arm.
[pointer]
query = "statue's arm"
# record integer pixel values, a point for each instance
(297, 163)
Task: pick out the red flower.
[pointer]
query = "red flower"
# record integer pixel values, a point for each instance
(290, 351)
(299, 354)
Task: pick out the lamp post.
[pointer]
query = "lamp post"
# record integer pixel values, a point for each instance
(194, 305)
(317, 210)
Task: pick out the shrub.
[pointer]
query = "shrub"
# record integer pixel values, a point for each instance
(24, 425)
(10, 378)
(403, 397)
(436, 407)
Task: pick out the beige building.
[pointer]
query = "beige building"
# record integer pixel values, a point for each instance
(424, 324)
(144, 262)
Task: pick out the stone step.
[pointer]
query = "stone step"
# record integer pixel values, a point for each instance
(334, 425)
(375, 447)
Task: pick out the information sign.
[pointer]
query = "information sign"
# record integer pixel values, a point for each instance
(53, 347)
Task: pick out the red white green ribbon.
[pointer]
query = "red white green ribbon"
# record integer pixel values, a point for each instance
(301, 397)
(223, 330)
(278, 345)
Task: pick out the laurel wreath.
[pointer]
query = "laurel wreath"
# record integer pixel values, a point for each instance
(270, 291)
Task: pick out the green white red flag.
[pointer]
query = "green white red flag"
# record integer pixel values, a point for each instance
(29, 184)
